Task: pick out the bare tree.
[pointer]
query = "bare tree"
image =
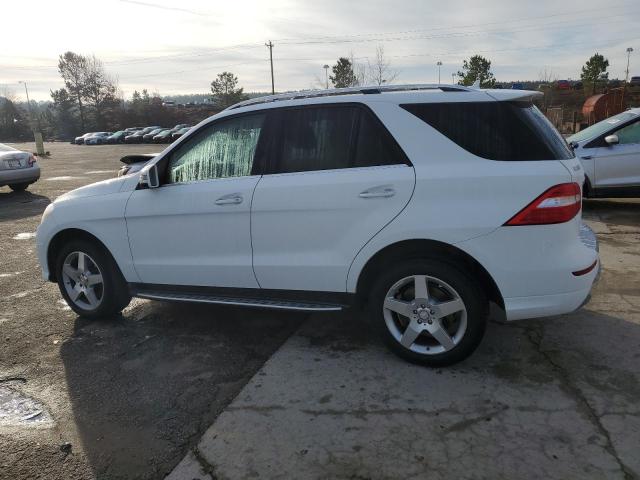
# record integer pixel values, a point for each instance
(73, 70)
(100, 89)
(380, 71)
(359, 71)
(547, 76)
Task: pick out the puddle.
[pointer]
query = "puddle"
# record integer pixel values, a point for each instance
(55, 179)
(19, 409)
(24, 236)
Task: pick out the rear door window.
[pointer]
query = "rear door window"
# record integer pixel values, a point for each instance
(511, 131)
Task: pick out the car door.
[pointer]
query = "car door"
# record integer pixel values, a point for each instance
(335, 178)
(618, 165)
(195, 228)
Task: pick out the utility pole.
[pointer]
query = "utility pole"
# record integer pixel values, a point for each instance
(453, 78)
(270, 47)
(326, 75)
(439, 64)
(37, 136)
(629, 50)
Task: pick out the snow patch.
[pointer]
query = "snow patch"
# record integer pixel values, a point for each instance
(24, 236)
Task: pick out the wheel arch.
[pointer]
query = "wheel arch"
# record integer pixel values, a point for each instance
(64, 236)
(423, 248)
(587, 188)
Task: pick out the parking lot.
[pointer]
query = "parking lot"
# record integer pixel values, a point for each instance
(234, 393)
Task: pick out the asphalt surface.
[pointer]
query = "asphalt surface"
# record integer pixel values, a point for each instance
(121, 398)
(131, 396)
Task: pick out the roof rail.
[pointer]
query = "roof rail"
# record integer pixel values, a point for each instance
(375, 89)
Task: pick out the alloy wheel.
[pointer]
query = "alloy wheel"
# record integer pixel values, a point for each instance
(425, 314)
(82, 280)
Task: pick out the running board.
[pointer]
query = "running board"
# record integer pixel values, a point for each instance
(243, 302)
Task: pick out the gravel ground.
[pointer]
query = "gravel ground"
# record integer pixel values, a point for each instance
(120, 398)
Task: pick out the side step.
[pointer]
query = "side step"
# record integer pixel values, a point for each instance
(243, 302)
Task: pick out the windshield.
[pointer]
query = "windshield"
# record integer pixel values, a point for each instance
(601, 127)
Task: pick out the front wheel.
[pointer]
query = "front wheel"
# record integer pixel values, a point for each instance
(90, 280)
(429, 312)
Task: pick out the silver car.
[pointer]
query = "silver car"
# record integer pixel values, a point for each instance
(610, 154)
(18, 169)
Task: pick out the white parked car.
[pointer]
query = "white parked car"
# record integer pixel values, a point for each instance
(97, 138)
(18, 169)
(610, 154)
(422, 204)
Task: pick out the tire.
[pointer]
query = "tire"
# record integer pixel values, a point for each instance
(108, 298)
(18, 187)
(449, 288)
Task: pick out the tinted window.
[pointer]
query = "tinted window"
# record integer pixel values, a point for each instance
(496, 130)
(316, 139)
(224, 149)
(327, 138)
(375, 146)
(629, 134)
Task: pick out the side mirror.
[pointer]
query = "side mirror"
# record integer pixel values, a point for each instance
(612, 139)
(149, 176)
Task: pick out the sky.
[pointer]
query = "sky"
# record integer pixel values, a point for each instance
(175, 47)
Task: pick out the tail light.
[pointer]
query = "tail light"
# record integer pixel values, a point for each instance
(559, 204)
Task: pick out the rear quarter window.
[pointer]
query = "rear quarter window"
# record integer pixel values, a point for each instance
(508, 131)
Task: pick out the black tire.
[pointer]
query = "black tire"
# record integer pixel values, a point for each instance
(18, 187)
(115, 293)
(465, 286)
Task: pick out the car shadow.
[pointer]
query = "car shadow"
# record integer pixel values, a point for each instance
(24, 204)
(620, 211)
(145, 385)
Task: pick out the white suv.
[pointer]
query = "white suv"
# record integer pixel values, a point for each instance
(422, 204)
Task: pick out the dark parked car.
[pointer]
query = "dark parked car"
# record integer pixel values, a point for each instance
(635, 81)
(117, 137)
(179, 133)
(136, 137)
(148, 137)
(163, 137)
(578, 85)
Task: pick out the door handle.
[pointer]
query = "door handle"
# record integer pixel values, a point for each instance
(383, 191)
(585, 157)
(231, 199)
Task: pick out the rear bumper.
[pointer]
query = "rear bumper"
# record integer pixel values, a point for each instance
(519, 308)
(20, 175)
(533, 267)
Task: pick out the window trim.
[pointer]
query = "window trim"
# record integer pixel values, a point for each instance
(272, 154)
(259, 159)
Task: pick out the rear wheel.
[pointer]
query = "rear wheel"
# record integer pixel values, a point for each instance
(90, 281)
(18, 187)
(428, 311)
